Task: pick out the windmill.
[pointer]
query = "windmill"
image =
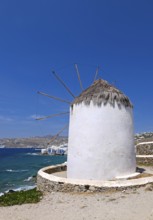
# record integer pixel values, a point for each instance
(101, 139)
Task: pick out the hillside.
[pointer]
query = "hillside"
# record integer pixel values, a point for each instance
(38, 142)
(41, 142)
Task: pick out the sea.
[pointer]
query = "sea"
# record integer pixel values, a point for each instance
(19, 167)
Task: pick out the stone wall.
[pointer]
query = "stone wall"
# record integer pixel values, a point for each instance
(144, 149)
(46, 185)
(51, 186)
(49, 183)
(55, 169)
(144, 160)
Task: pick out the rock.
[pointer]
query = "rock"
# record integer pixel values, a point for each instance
(92, 188)
(149, 187)
(76, 189)
(11, 191)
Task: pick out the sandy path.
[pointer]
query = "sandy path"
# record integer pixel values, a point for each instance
(129, 205)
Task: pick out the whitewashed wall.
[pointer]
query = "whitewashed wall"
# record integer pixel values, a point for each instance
(101, 144)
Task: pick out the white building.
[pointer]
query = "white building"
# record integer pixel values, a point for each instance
(101, 140)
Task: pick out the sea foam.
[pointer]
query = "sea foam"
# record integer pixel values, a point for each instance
(21, 188)
(28, 179)
(33, 154)
(1, 194)
(16, 171)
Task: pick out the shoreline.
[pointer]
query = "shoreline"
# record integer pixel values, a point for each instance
(19, 189)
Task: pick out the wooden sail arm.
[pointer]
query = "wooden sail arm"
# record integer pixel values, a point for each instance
(63, 84)
(79, 78)
(96, 74)
(54, 97)
(52, 116)
(55, 136)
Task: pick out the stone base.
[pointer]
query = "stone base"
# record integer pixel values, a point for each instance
(48, 181)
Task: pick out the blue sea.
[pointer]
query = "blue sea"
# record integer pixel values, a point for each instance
(19, 167)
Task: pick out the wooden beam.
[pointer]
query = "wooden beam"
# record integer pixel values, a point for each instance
(54, 97)
(55, 136)
(52, 116)
(96, 74)
(78, 74)
(62, 82)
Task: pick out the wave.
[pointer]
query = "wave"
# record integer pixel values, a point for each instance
(24, 188)
(9, 184)
(33, 154)
(28, 179)
(15, 171)
(21, 188)
(1, 194)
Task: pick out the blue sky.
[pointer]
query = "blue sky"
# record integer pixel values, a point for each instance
(39, 36)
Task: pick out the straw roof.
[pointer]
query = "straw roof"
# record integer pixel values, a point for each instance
(102, 92)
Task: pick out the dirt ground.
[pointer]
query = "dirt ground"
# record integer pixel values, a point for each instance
(125, 205)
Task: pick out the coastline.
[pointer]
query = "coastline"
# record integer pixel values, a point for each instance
(19, 167)
(132, 204)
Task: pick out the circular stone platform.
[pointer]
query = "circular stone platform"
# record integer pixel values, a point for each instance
(53, 178)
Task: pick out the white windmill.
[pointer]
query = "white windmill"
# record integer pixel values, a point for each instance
(101, 139)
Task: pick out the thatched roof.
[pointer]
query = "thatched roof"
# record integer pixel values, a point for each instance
(102, 92)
